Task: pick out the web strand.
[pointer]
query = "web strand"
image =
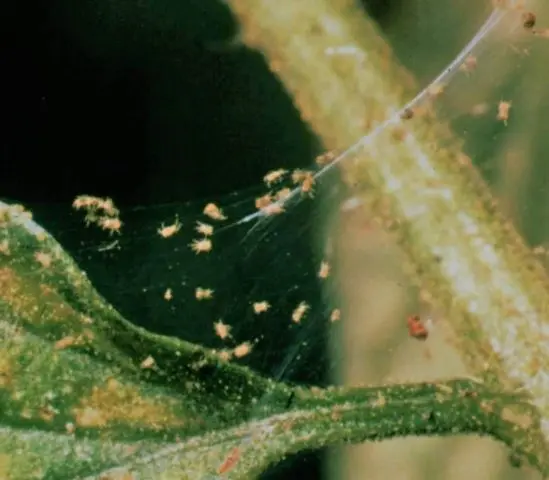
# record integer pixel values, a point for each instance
(492, 21)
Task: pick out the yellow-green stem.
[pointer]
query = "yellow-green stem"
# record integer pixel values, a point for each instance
(469, 258)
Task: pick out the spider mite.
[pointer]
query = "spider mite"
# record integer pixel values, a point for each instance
(416, 328)
(528, 20)
(274, 176)
(230, 461)
(469, 64)
(503, 111)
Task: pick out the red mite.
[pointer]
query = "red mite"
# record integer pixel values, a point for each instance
(230, 461)
(416, 328)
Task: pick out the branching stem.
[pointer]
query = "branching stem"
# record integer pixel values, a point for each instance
(330, 417)
(466, 255)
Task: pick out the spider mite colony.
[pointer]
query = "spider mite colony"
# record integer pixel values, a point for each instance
(103, 213)
(282, 185)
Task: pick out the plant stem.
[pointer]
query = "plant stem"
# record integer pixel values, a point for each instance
(465, 254)
(329, 417)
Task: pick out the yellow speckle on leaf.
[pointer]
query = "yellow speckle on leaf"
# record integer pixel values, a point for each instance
(43, 259)
(5, 247)
(115, 402)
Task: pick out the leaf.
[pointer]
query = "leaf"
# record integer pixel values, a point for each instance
(70, 365)
(86, 394)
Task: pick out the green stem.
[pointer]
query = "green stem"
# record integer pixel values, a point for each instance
(330, 417)
(422, 187)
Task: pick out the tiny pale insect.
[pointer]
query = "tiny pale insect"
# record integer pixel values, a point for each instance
(436, 90)
(107, 205)
(214, 212)
(299, 312)
(282, 194)
(324, 270)
(261, 307)
(305, 178)
(503, 111)
(91, 203)
(242, 350)
(274, 176)
(201, 245)
(204, 228)
(111, 224)
(65, 342)
(298, 175)
(169, 230)
(308, 183)
(325, 158)
(272, 208)
(84, 201)
(222, 330)
(263, 201)
(203, 293)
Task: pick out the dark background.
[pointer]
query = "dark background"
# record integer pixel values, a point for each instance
(149, 104)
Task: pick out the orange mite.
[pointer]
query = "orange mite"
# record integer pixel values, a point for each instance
(416, 328)
(230, 461)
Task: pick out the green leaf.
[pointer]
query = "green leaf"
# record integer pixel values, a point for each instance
(77, 401)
